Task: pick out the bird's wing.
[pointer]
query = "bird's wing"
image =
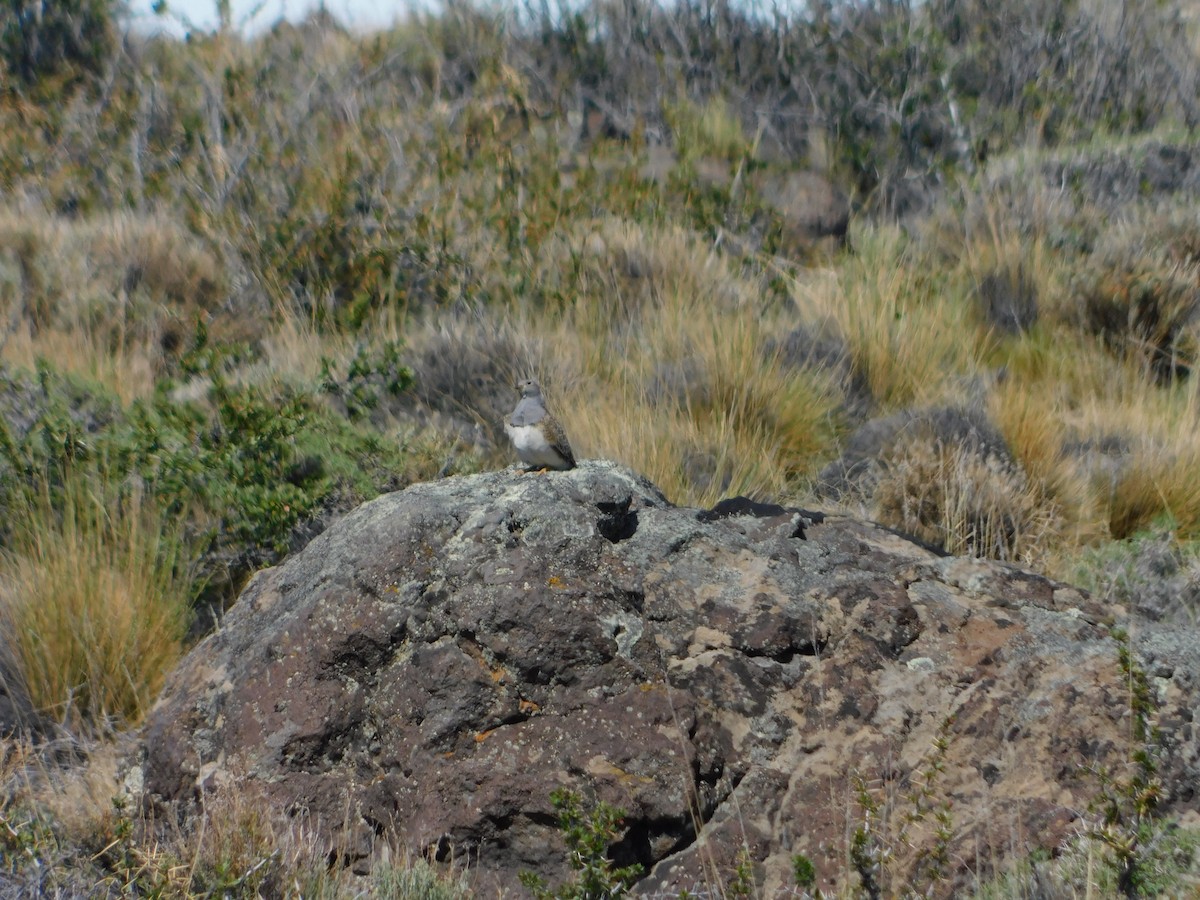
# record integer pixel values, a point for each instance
(557, 439)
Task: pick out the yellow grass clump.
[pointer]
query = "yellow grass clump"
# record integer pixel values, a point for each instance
(910, 337)
(94, 599)
(1116, 449)
(109, 298)
(673, 368)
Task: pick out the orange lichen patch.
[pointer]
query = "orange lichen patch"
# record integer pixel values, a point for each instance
(601, 767)
(481, 736)
(529, 707)
(555, 582)
(498, 674)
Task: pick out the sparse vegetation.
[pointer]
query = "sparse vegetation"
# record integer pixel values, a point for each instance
(246, 283)
(588, 834)
(901, 819)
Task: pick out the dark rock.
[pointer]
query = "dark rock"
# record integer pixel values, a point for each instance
(427, 670)
(745, 507)
(806, 347)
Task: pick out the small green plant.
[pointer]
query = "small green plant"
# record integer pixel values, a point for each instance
(588, 835)
(742, 883)
(877, 841)
(804, 873)
(924, 806)
(26, 839)
(1129, 826)
(123, 860)
(373, 375)
(868, 855)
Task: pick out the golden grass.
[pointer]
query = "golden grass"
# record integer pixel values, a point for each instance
(709, 130)
(1159, 484)
(295, 348)
(910, 339)
(127, 370)
(1030, 419)
(1063, 388)
(101, 298)
(672, 370)
(985, 239)
(94, 599)
(1161, 425)
(1053, 390)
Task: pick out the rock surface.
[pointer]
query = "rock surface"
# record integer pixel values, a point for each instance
(427, 670)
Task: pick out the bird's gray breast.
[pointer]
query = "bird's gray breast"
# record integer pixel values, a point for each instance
(528, 412)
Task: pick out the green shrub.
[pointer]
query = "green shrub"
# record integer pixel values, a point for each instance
(588, 835)
(67, 37)
(239, 466)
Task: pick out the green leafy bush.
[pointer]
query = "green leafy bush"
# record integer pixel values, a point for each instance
(240, 466)
(588, 834)
(66, 37)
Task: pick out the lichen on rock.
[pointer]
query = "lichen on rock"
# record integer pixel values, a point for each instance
(427, 670)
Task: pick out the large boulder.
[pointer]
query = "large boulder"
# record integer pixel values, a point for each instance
(748, 680)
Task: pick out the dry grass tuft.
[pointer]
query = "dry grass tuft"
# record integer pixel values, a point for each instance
(238, 844)
(1158, 484)
(66, 819)
(1030, 417)
(967, 504)
(1114, 447)
(707, 130)
(910, 339)
(114, 298)
(679, 374)
(95, 600)
(1011, 274)
(1147, 313)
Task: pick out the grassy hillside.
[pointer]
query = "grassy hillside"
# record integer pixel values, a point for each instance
(247, 284)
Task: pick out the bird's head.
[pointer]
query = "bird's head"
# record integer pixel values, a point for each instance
(529, 388)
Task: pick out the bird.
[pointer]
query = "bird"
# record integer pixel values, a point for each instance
(536, 435)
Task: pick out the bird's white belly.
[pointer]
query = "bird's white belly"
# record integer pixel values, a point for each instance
(531, 445)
